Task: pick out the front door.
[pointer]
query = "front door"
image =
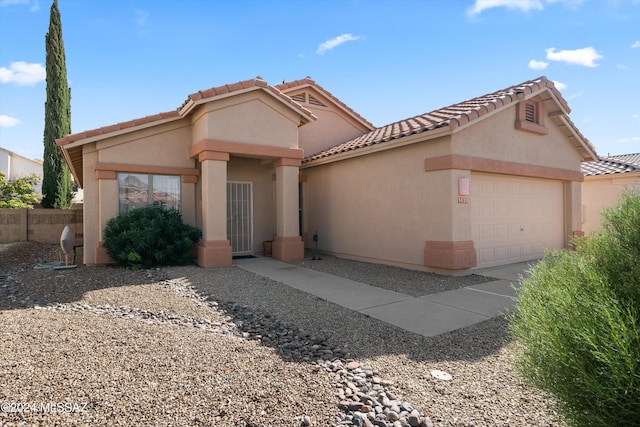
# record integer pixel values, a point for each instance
(240, 217)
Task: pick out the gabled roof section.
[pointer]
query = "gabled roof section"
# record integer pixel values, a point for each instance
(286, 87)
(71, 145)
(457, 115)
(609, 165)
(192, 100)
(207, 95)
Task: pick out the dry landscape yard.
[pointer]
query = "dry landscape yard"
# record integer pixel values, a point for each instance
(186, 346)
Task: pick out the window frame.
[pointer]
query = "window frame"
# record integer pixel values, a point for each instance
(150, 190)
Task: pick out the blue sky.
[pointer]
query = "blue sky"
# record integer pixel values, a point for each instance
(388, 60)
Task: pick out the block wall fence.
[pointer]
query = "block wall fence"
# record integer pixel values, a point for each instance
(39, 225)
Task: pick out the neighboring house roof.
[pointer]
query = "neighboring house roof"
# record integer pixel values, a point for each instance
(71, 145)
(622, 163)
(286, 87)
(457, 115)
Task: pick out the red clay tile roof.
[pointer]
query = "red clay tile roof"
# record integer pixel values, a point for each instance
(191, 99)
(118, 126)
(245, 84)
(609, 165)
(308, 81)
(451, 116)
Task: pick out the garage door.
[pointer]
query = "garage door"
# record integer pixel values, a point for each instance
(515, 219)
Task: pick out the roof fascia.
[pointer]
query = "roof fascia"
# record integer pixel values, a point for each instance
(191, 104)
(616, 175)
(118, 132)
(586, 146)
(564, 117)
(71, 166)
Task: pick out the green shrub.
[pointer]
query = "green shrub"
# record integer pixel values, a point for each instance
(578, 320)
(149, 237)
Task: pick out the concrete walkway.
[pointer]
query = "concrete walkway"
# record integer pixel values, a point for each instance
(429, 315)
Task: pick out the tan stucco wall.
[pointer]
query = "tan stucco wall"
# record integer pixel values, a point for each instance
(253, 118)
(496, 138)
(165, 145)
(600, 192)
(384, 206)
(91, 204)
(381, 207)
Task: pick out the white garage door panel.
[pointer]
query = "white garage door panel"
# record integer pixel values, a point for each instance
(515, 219)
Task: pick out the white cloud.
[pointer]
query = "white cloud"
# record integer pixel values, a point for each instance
(568, 3)
(23, 73)
(632, 139)
(7, 121)
(635, 44)
(142, 17)
(330, 44)
(585, 56)
(559, 85)
(142, 22)
(635, 116)
(576, 95)
(538, 65)
(34, 4)
(523, 5)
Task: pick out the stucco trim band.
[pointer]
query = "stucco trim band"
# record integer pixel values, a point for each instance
(214, 253)
(288, 249)
(450, 255)
(477, 164)
(245, 149)
(287, 162)
(109, 170)
(213, 155)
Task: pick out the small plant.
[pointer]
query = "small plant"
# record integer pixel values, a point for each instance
(578, 320)
(18, 194)
(149, 237)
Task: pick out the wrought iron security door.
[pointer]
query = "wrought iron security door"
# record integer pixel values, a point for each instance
(240, 217)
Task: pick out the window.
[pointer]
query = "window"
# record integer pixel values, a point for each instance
(140, 190)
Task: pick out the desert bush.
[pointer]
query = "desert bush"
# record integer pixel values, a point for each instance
(578, 322)
(149, 237)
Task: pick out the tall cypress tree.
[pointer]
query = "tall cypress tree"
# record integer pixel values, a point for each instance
(57, 189)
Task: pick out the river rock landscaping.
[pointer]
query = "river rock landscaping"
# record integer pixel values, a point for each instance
(189, 346)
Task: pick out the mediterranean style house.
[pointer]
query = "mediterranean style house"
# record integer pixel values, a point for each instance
(488, 181)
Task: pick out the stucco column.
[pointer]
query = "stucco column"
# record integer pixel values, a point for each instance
(287, 245)
(573, 208)
(451, 246)
(214, 250)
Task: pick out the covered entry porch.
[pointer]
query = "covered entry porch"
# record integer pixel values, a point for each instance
(273, 175)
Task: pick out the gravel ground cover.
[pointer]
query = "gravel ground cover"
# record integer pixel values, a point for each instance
(187, 346)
